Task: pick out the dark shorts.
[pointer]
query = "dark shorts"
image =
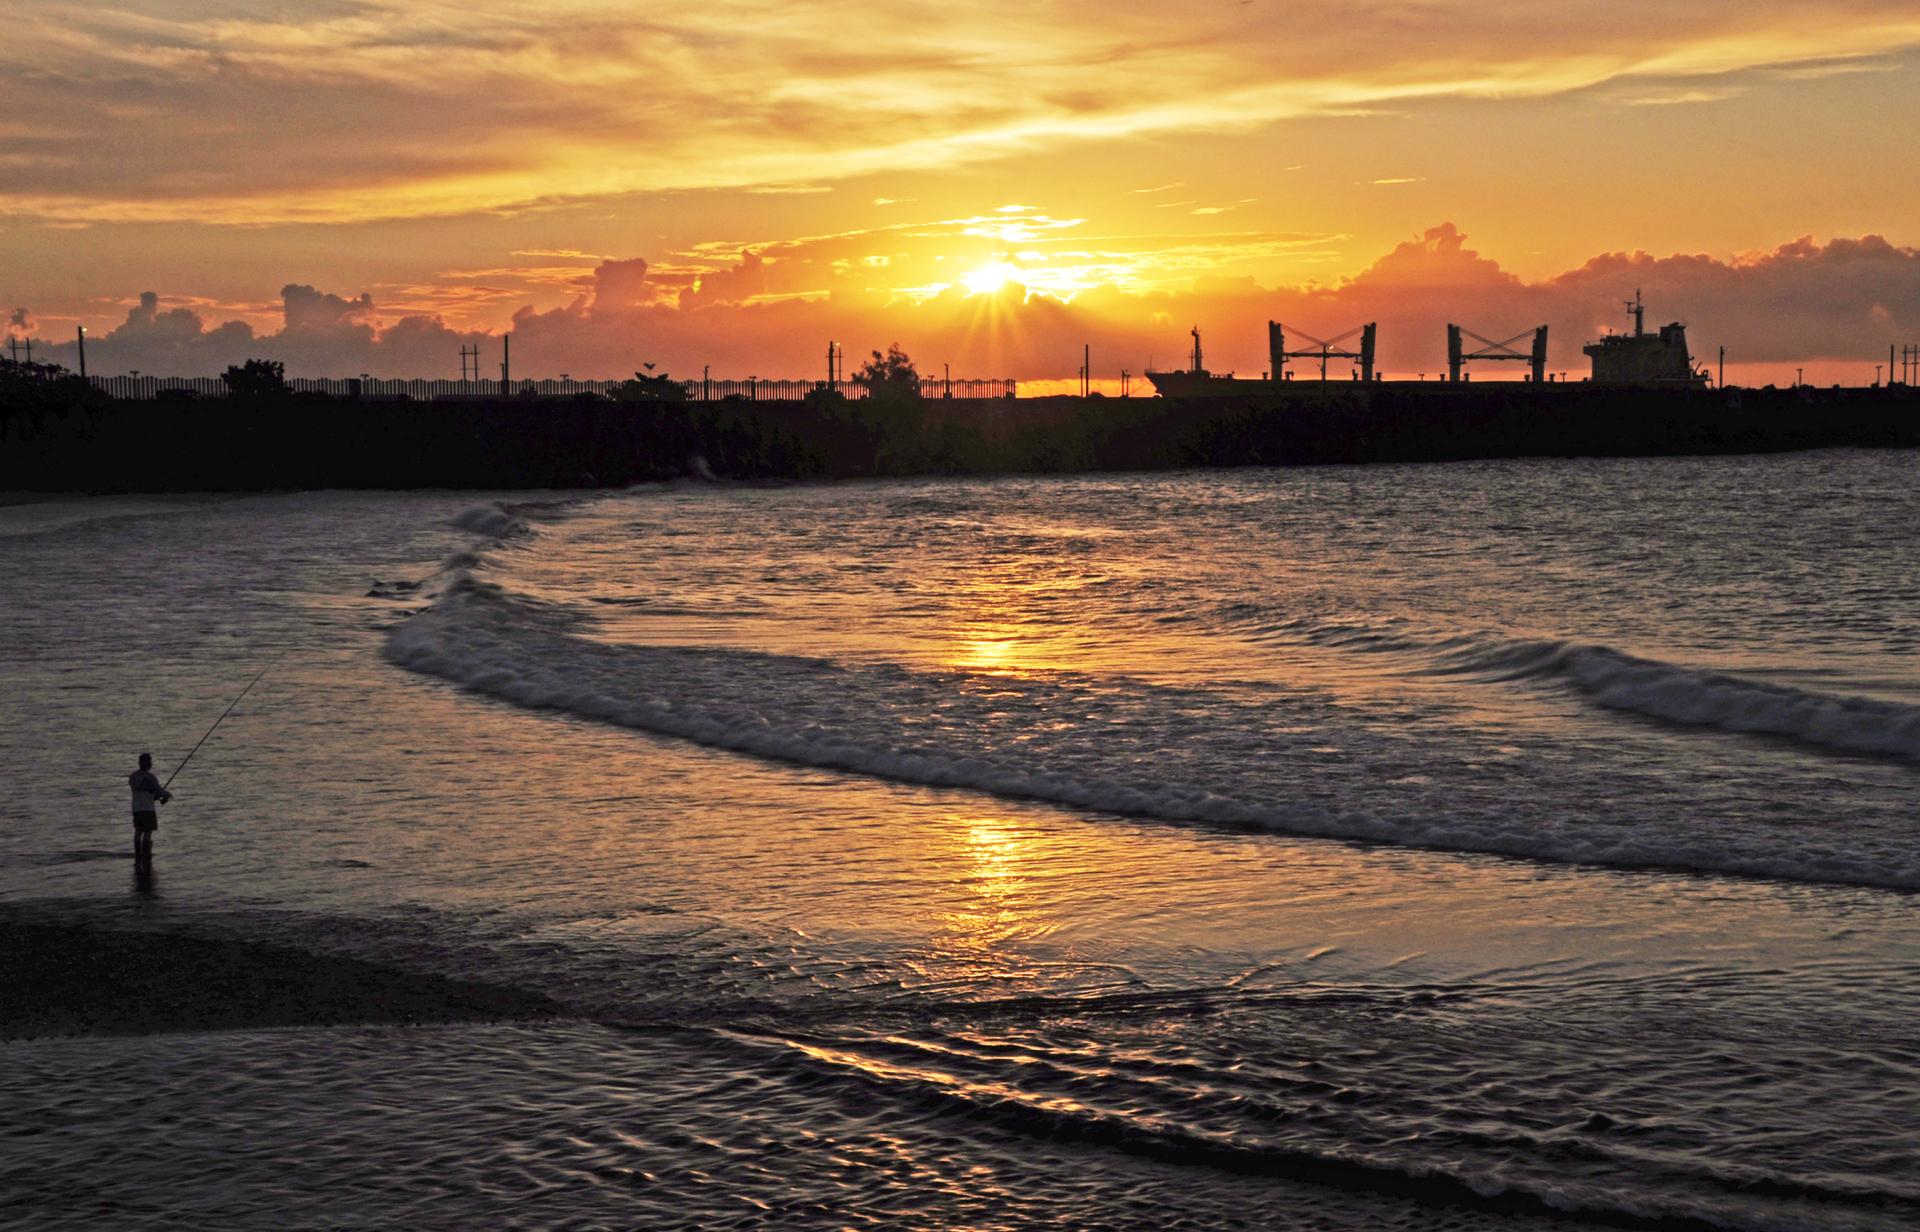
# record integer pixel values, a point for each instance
(146, 823)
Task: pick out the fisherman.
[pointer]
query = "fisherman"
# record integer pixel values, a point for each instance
(147, 795)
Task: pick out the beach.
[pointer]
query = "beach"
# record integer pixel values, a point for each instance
(1521, 844)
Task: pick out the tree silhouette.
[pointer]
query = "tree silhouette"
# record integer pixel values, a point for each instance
(257, 378)
(890, 376)
(646, 387)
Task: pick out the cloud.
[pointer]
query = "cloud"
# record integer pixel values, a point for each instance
(1678, 98)
(1833, 68)
(311, 311)
(342, 110)
(21, 324)
(1800, 301)
(737, 285)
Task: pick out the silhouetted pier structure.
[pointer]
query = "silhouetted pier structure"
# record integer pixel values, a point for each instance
(65, 434)
(143, 388)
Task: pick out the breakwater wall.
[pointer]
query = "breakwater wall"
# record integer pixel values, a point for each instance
(58, 437)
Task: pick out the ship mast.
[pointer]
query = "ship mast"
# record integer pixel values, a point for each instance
(1639, 312)
(1196, 349)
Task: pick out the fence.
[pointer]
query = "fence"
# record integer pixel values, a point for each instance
(147, 388)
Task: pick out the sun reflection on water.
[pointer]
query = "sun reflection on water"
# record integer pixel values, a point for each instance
(993, 908)
(1000, 655)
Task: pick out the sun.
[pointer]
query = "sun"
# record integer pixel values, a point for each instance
(989, 278)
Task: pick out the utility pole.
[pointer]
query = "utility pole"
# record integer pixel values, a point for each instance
(80, 340)
(1086, 370)
(946, 379)
(506, 361)
(1723, 368)
(706, 382)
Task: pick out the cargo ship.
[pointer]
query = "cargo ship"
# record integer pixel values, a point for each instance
(1658, 360)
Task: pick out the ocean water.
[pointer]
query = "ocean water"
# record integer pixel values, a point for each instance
(1505, 845)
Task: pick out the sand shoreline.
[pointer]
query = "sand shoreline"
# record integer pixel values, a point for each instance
(69, 980)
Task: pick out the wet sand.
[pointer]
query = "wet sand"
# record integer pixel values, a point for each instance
(64, 981)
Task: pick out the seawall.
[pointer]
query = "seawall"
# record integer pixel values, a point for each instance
(56, 437)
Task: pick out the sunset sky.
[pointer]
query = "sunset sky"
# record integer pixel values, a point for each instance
(367, 185)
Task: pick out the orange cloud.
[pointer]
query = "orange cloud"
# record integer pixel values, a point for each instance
(338, 111)
(1801, 301)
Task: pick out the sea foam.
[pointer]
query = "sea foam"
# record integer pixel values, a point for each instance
(1179, 754)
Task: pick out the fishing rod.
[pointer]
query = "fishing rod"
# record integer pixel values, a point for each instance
(217, 722)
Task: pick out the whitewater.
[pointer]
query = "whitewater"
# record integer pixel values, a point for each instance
(1128, 686)
(1520, 846)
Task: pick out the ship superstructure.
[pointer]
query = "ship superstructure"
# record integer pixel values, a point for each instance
(1641, 358)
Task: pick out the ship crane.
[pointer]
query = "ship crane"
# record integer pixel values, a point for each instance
(1535, 356)
(1322, 349)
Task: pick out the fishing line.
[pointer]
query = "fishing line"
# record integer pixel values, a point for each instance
(217, 722)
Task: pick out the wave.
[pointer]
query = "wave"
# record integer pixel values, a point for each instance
(1617, 680)
(44, 516)
(1177, 754)
(1700, 698)
(1652, 687)
(482, 637)
(494, 521)
(1579, 1183)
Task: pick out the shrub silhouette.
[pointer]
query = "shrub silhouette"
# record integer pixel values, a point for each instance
(891, 376)
(257, 378)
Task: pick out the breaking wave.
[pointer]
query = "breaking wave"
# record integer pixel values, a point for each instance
(1189, 754)
(1620, 681)
(495, 521)
(1719, 700)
